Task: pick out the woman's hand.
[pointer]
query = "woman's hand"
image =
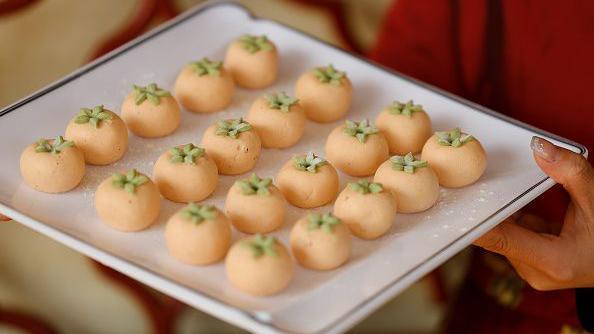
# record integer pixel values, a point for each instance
(549, 261)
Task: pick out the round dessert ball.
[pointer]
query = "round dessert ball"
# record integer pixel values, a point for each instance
(259, 265)
(406, 127)
(457, 158)
(356, 148)
(308, 181)
(279, 120)
(150, 111)
(52, 166)
(325, 93)
(204, 86)
(255, 205)
(253, 61)
(413, 183)
(320, 242)
(198, 234)
(366, 208)
(186, 174)
(128, 202)
(100, 134)
(233, 145)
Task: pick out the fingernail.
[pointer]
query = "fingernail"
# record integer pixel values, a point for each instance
(544, 149)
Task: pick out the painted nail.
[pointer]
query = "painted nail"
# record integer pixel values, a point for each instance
(544, 149)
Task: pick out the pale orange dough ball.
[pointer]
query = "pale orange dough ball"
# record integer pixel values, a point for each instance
(124, 209)
(253, 61)
(324, 101)
(354, 157)
(404, 133)
(259, 266)
(52, 166)
(104, 144)
(201, 91)
(232, 155)
(367, 214)
(456, 166)
(320, 248)
(255, 211)
(186, 174)
(277, 128)
(307, 189)
(198, 235)
(147, 114)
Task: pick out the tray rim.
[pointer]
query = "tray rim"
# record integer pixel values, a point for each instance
(219, 308)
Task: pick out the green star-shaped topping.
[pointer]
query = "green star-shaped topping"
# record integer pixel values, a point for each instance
(199, 213)
(325, 222)
(261, 245)
(232, 127)
(151, 92)
(280, 101)
(187, 154)
(406, 109)
(206, 66)
(253, 44)
(453, 138)
(255, 185)
(366, 187)
(92, 116)
(360, 130)
(129, 181)
(55, 147)
(308, 163)
(329, 75)
(407, 163)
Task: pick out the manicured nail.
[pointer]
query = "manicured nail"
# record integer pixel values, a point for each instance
(544, 149)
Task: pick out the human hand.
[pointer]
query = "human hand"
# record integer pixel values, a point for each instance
(549, 261)
(3, 218)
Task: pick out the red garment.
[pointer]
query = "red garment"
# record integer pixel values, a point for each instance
(530, 59)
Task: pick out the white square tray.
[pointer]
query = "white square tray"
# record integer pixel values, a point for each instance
(315, 302)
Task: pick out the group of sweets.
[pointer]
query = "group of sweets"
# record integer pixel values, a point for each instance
(201, 234)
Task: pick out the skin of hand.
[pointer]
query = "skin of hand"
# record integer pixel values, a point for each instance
(550, 257)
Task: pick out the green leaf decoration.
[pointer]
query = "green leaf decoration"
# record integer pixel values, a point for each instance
(253, 43)
(55, 147)
(365, 187)
(262, 245)
(128, 181)
(407, 163)
(255, 185)
(453, 138)
(187, 154)
(280, 101)
(406, 109)
(309, 163)
(206, 66)
(151, 92)
(329, 75)
(325, 222)
(360, 130)
(199, 213)
(232, 127)
(92, 116)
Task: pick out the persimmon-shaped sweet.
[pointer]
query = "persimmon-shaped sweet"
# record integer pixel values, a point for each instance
(308, 181)
(253, 61)
(52, 166)
(325, 93)
(458, 158)
(150, 111)
(100, 134)
(259, 265)
(186, 174)
(356, 148)
(406, 127)
(204, 86)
